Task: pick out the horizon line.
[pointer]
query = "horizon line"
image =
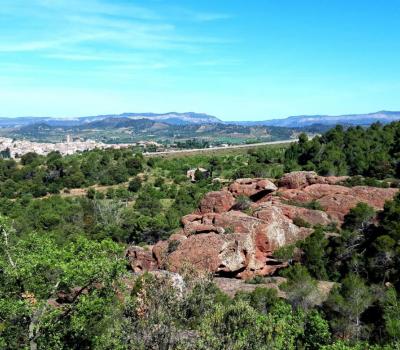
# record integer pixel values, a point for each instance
(138, 114)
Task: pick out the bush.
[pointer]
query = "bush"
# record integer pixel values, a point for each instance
(135, 184)
(242, 203)
(298, 221)
(256, 280)
(172, 246)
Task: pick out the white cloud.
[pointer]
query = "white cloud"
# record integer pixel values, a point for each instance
(49, 47)
(70, 25)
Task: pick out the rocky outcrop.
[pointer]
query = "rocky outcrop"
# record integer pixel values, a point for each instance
(252, 188)
(301, 179)
(336, 200)
(227, 242)
(310, 216)
(140, 259)
(216, 202)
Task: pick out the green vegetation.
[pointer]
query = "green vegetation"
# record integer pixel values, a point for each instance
(372, 152)
(38, 175)
(64, 281)
(123, 196)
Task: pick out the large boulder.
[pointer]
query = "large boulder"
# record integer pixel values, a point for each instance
(301, 179)
(281, 230)
(195, 224)
(231, 244)
(216, 202)
(338, 200)
(199, 251)
(140, 259)
(310, 216)
(287, 204)
(253, 188)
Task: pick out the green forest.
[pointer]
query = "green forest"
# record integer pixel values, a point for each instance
(66, 221)
(372, 152)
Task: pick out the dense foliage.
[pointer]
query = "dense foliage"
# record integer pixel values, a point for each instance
(372, 152)
(39, 175)
(129, 199)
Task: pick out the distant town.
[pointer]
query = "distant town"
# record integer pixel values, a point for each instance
(11, 148)
(14, 148)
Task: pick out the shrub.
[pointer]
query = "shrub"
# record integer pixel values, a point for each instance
(298, 221)
(135, 184)
(256, 280)
(172, 246)
(242, 203)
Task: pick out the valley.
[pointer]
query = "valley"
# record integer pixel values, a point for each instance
(179, 130)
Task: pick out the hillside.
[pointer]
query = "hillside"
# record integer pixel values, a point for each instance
(170, 118)
(273, 248)
(328, 120)
(196, 129)
(125, 130)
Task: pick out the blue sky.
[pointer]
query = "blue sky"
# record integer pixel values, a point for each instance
(236, 59)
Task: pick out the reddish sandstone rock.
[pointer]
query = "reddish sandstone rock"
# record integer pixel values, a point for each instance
(297, 179)
(196, 224)
(313, 217)
(338, 200)
(301, 179)
(216, 202)
(338, 205)
(199, 251)
(237, 222)
(252, 187)
(281, 230)
(141, 259)
(160, 253)
(231, 243)
(177, 237)
(235, 244)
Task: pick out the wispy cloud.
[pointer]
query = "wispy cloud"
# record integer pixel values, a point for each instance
(71, 24)
(108, 41)
(99, 7)
(208, 17)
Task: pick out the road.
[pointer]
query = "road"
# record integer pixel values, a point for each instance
(204, 150)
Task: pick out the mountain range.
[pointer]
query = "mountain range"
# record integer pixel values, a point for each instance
(172, 118)
(328, 120)
(189, 118)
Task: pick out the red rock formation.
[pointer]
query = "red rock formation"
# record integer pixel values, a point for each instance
(232, 243)
(301, 179)
(140, 259)
(252, 187)
(312, 217)
(216, 202)
(338, 200)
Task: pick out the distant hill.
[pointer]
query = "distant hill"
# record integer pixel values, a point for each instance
(119, 122)
(175, 118)
(124, 130)
(191, 118)
(327, 120)
(172, 118)
(172, 127)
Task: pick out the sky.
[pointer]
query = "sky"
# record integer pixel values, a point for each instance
(235, 59)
